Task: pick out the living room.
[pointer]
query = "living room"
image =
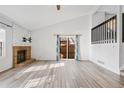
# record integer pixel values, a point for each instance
(62, 46)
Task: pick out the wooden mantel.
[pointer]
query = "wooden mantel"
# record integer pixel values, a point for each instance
(27, 55)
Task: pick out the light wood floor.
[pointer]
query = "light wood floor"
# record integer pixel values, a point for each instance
(61, 75)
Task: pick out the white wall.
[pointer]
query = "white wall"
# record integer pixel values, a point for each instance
(18, 33)
(97, 18)
(13, 37)
(106, 53)
(44, 41)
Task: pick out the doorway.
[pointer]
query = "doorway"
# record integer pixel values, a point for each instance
(67, 47)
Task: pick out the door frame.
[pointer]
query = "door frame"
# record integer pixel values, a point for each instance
(76, 53)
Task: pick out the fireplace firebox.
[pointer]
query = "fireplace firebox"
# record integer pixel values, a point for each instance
(21, 56)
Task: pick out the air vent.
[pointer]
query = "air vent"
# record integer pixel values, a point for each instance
(101, 62)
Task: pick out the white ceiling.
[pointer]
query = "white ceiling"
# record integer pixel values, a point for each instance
(34, 17)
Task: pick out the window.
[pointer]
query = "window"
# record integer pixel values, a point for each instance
(105, 32)
(2, 42)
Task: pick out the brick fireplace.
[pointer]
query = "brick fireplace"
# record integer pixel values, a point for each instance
(21, 55)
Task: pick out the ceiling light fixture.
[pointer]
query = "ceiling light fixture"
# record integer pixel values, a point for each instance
(58, 7)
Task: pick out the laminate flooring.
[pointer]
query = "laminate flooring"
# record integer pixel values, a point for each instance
(50, 74)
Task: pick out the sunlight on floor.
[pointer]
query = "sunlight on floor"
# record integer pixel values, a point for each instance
(36, 68)
(57, 65)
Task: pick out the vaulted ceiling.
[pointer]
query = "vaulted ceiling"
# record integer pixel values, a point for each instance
(34, 17)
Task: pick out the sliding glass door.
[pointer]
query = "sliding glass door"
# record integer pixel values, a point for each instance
(67, 47)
